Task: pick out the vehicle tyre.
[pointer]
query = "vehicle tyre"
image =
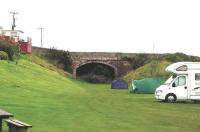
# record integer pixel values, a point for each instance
(170, 98)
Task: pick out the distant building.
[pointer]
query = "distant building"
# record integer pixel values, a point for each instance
(18, 38)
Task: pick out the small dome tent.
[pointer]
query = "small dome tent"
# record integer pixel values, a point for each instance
(119, 84)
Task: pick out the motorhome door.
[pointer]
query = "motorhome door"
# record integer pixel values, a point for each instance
(180, 87)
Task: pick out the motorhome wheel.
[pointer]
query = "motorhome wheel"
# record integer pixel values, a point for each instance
(171, 98)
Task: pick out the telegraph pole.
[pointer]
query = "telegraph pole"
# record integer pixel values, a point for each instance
(13, 23)
(41, 35)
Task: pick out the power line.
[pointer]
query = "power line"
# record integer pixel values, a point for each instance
(41, 35)
(13, 23)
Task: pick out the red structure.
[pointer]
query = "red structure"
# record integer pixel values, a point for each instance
(17, 38)
(26, 47)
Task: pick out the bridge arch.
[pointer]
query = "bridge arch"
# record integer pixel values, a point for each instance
(76, 67)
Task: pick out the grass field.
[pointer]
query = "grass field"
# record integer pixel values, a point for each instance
(52, 102)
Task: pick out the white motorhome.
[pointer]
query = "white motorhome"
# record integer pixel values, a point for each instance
(184, 84)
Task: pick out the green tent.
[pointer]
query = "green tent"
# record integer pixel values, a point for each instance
(147, 85)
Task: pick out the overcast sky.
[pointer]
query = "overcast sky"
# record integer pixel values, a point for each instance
(109, 25)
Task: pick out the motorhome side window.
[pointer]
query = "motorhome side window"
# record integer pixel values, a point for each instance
(180, 81)
(182, 68)
(197, 76)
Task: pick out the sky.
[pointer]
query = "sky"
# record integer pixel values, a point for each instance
(129, 26)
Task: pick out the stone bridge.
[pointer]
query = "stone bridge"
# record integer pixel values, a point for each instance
(112, 60)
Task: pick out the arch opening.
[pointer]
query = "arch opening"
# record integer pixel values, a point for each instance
(96, 72)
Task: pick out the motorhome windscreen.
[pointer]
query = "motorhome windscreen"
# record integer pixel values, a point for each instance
(168, 82)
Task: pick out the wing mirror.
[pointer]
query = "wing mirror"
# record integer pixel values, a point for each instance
(173, 84)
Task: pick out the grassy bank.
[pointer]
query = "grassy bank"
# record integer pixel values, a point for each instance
(53, 102)
(152, 69)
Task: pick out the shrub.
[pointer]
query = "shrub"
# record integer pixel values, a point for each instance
(3, 55)
(61, 57)
(11, 50)
(138, 60)
(92, 78)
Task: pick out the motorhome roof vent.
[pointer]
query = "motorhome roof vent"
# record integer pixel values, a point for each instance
(182, 68)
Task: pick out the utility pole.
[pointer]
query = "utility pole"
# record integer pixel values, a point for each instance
(13, 23)
(41, 35)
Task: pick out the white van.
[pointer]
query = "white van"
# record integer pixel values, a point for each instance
(184, 84)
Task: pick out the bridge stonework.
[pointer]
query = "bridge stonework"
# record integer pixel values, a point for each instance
(121, 67)
(113, 60)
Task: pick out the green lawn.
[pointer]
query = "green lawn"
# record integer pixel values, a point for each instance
(54, 103)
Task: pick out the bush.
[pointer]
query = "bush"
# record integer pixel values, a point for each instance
(180, 57)
(11, 50)
(138, 60)
(3, 55)
(92, 78)
(61, 57)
